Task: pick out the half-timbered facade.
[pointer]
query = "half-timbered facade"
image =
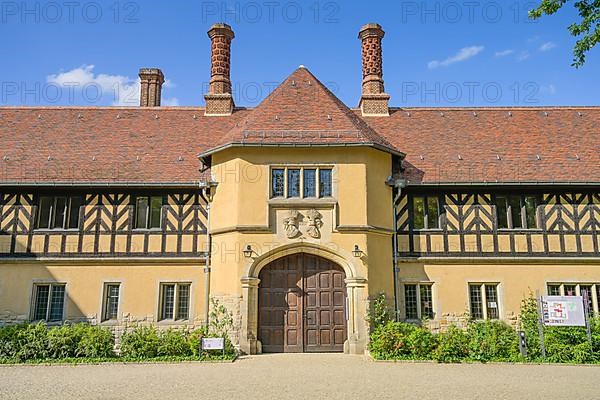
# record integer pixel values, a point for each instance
(296, 213)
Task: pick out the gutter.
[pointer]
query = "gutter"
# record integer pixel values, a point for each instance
(508, 183)
(85, 184)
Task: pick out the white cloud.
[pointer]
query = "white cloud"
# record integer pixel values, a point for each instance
(550, 89)
(464, 54)
(504, 53)
(96, 88)
(524, 55)
(547, 46)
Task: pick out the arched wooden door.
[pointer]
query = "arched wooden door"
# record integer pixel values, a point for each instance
(302, 305)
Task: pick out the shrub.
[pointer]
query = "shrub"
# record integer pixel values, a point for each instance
(398, 340)
(492, 341)
(32, 342)
(140, 342)
(173, 342)
(63, 341)
(194, 339)
(95, 342)
(379, 313)
(453, 346)
(9, 341)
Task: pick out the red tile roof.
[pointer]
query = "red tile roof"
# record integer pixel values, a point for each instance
(102, 145)
(541, 144)
(302, 111)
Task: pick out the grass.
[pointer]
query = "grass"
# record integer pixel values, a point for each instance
(123, 360)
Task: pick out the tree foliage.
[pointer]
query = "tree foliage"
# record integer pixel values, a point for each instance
(587, 30)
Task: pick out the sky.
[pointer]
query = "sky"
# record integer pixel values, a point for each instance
(435, 53)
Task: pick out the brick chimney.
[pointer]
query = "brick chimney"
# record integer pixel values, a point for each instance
(374, 100)
(219, 100)
(151, 81)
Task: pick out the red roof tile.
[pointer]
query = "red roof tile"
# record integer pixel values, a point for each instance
(302, 111)
(542, 144)
(160, 145)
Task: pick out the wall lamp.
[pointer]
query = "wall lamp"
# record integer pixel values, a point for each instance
(248, 252)
(357, 252)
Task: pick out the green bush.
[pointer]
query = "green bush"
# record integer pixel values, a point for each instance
(174, 342)
(492, 341)
(8, 341)
(140, 342)
(32, 343)
(95, 342)
(453, 346)
(398, 340)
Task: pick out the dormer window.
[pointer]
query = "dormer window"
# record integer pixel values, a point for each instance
(301, 182)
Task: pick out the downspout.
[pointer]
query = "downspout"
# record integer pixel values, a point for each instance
(207, 259)
(398, 186)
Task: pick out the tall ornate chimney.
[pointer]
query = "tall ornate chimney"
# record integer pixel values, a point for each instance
(151, 81)
(219, 100)
(374, 100)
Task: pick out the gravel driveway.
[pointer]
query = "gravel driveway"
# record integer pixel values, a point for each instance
(299, 376)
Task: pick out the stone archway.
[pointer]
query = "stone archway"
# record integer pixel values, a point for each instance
(356, 295)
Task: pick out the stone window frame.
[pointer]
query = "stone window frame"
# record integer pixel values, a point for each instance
(176, 300)
(105, 318)
(34, 299)
(482, 290)
(419, 300)
(302, 168)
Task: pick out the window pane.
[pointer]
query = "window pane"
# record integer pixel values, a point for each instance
(277, 182)
(419, 212)
(44, 212)
(426, 302)
(141, 213)
(515, 211)
(586, 293)
(310, 183)
(293, 183)
(553, 290)
(475, 300)
(59, 213)
(41, 302)
(501, 212)
(57, 303)
(530, 211)
(183, 302)
(410, 301)
(491, 296)
(74, 207)
(325, 179)
(570, 290)
(111, 302)
(433, 215)
(168, 301)
(156, 207)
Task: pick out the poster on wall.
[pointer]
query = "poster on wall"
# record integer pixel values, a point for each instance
(563, 311)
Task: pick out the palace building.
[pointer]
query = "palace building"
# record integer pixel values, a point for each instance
(294, 214)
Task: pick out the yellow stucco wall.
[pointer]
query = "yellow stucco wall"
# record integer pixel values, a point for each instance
(515, 281)
(139, 294)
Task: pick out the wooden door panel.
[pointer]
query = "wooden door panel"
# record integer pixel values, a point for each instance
(302, 304)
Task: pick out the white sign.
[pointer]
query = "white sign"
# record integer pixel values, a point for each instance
(563, 311)
(213, 343)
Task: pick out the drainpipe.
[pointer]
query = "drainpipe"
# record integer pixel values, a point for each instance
(207, 266)
(398, 186)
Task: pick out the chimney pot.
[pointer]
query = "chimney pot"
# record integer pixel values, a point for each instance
(151, 81)
(374, 100)
(219, 100)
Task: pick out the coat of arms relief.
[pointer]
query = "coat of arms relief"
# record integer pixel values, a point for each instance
(297, 223)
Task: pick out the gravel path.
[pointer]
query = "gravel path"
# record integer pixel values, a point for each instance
(299, 376)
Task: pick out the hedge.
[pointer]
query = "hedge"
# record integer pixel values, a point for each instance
(482, 341)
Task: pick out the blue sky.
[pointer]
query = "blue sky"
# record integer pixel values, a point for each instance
(436, 53)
